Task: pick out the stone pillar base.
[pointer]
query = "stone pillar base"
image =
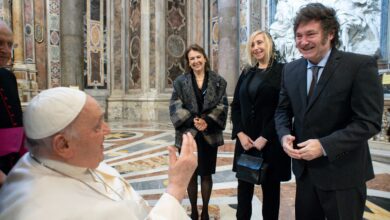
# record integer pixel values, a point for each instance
(26, 75)
(142, 108)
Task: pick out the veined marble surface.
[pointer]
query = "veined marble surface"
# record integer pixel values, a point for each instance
(139, 152)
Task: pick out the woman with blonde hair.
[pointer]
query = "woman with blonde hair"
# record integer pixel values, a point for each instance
(255, 99)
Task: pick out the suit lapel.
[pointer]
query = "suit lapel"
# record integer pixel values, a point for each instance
(328, 71)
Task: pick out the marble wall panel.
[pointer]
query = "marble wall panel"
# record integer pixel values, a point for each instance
(152, 52)
(244, 29)
(115, 109)
(95, 67)
(213, 33)
(176, 38)
(40, 43)
(135, 44)
(250, 21)
(29, 49)
(5, 12)
(2, 9)
(53, 45)
(95, 44)
(228, 46)
(95, 9)
(256, 11)
(117, 44)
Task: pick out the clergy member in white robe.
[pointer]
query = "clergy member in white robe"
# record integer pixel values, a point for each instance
(63, 177)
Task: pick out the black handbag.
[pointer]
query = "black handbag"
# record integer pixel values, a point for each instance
(251, 169)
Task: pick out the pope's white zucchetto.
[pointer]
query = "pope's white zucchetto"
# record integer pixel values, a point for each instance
(51, 111)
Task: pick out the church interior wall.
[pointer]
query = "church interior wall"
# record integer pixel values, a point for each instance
(132, 49)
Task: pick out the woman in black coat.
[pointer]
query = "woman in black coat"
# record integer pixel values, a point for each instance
(253, 107)
(199, 105)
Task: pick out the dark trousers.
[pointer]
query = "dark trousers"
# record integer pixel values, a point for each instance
(314, 203)
(271, 200)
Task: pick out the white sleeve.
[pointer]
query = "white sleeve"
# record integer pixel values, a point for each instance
(167, 208)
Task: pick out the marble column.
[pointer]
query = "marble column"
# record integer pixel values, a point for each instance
(117, 28)
(19, 68)
(196, 23)
(145, 45)
(17, 23)
(72, 55)
(160, 45)
(40, 43)
(228, 46)
(116, 25)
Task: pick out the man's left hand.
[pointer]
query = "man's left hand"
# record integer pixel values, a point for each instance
(310, 149)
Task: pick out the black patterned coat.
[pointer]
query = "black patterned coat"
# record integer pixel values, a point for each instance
(183, 108)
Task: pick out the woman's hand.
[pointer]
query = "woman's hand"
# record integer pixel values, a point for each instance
(245, 140)
(200, 124)
(260, 143)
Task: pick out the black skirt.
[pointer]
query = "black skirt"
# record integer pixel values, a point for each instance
(207, 156)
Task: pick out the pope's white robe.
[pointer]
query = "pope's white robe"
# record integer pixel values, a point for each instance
(34, 192)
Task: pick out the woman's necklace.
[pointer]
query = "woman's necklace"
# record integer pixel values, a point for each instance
(199, 79)
(81, 181)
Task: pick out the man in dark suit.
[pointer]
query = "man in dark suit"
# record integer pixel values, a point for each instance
(11, 131)
(324, 126)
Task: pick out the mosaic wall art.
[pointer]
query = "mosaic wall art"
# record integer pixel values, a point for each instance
(53, 44)
(134, 78)
(176, 33)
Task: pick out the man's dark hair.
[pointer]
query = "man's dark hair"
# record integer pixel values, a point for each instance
(325, 15)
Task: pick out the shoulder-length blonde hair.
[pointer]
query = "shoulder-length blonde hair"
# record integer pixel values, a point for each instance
(269, 48)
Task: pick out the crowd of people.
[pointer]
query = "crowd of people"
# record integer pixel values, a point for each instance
(316, 113)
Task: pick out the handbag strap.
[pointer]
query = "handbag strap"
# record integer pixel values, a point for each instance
(8, 108)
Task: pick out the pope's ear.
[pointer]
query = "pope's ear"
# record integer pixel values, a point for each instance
(60, 146)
